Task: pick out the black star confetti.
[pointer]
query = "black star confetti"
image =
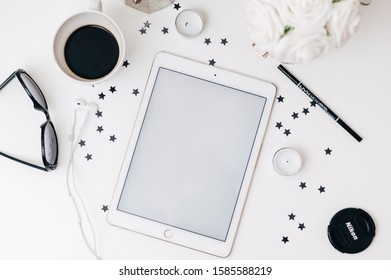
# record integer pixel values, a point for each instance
(88, 157)
(301, 226)
(278, 125)
(280, 99)
(303, 185)
(291, 216)
(285, 239)
(101, 96)
(287, 132)
(212, 62)
(113, 138)
(82, 143)
(295, 115)
(313, 103)
(105, 208)
(224, 41)
(125, 64)
(99, 114)
(328, 151)
(143, 31)
(177, 6)
(147, 24)
(207, 41)
(305, 111)
(165, 30)
(322, 189)
(112, 89)
(100, 129)
(135, 91)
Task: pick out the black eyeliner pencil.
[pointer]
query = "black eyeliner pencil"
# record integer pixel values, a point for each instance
(318, 102)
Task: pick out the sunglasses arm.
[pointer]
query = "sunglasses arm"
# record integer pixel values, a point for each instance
(24, 162)
(8, 80)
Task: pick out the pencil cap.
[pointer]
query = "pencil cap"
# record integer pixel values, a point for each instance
(351, 230)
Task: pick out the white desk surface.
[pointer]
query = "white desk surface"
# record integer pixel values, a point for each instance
(36, 217)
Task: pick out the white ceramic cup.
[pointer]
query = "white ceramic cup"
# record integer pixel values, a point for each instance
(93, 16)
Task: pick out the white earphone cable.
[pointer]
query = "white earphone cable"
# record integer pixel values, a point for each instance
(92, 247)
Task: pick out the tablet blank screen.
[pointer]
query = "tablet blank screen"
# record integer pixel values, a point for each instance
(191, 154)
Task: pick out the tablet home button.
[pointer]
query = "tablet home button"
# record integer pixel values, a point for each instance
(168, 233)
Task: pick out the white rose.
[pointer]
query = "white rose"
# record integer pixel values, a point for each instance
(264, 23)
(344, 21)
(301, 45)
(314, 13)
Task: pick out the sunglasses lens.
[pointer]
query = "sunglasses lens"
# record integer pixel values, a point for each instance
(50, 144)
(34, 90)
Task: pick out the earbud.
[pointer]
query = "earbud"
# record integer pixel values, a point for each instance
(81, 105)
(92, 108)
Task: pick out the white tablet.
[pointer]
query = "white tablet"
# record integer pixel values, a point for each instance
(192, 154)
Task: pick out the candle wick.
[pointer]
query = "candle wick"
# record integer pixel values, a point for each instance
(287, 161)
(187, 23)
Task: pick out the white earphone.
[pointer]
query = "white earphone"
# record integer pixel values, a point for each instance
(80, 105)
(90, 109)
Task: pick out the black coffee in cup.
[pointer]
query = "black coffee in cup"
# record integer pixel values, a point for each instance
(91, 52)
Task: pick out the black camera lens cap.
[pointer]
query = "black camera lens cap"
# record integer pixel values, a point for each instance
(351, 230)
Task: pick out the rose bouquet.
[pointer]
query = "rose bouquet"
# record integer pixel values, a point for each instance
(296, 31)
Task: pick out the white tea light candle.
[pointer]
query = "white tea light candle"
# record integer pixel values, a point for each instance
(189, 23)
(287, 161)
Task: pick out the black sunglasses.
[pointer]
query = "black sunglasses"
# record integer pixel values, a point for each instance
(49, 143)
